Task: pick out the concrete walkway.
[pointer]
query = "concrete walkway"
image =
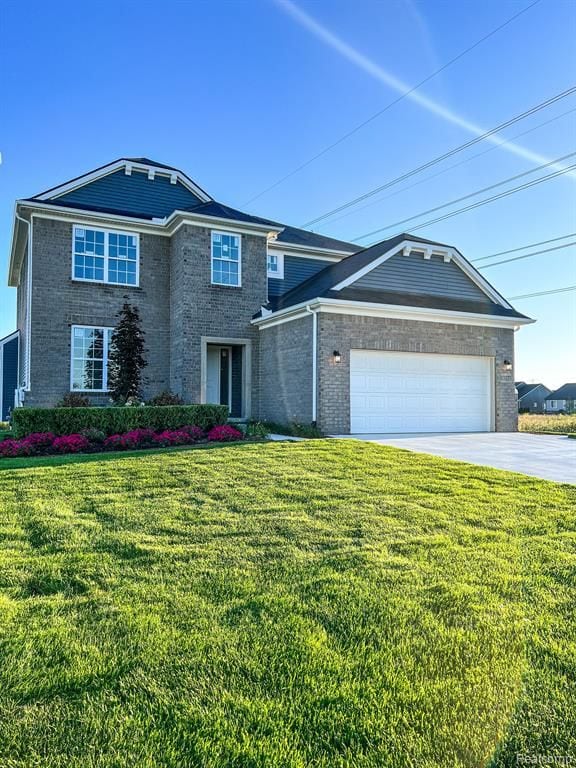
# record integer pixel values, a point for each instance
(551, 457)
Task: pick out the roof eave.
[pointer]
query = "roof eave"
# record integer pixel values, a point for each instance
(308, 248)
(399, 311)
(181, 216)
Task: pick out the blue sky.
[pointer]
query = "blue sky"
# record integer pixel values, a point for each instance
(238, 94)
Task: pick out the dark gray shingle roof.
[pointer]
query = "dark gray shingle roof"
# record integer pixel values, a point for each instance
(566, 392)
(321, 284)
(523, 388)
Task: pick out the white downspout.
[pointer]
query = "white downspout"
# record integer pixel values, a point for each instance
(26, 387)
(314, 362)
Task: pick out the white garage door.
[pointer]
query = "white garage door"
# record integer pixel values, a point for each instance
(415, 392)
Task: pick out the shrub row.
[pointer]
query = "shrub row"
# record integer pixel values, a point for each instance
(93, 440)
(115, 420)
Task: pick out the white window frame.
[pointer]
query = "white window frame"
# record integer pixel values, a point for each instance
(239, 262)
(105, 353)
(107, 233)
(279, 274)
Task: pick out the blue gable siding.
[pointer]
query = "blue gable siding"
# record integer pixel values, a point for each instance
(426, 277)
(9, 352)
(134, 194)
(296, 270)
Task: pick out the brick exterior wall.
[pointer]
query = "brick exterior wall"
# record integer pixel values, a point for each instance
(346, 332)
(180, 308)
(58, 302)
(199, 309)
(286, 372)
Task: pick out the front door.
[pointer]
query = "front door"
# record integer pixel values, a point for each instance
(219, 375)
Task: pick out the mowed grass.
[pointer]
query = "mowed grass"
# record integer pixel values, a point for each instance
(536, 422)
(327, 603)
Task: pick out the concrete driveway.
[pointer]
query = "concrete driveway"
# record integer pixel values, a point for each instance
(551, 457)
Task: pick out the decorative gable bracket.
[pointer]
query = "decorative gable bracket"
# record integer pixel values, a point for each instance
(428, 252)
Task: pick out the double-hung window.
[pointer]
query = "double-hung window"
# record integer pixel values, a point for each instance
(226, 256)
(275, 265)
(105, 257)
(89, 365)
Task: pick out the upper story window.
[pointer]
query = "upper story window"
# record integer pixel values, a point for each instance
(226, 258)
(105, 257)
(89, 364)
(275, 265)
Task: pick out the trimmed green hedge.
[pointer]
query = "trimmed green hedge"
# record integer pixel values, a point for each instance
(68, 421)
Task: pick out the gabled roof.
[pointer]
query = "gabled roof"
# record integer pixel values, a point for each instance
(566, 392)
(129, 163)
(72, 194)
(524, 389)
(334, 282)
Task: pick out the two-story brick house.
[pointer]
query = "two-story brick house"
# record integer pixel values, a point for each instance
(276, 322)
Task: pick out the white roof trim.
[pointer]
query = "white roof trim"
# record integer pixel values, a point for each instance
(399, 312)
(448, 253)
(10, 337)
(309, 248)
(128, 167)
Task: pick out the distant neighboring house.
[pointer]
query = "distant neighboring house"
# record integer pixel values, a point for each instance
(562, 400)
(8, 373)
(278, 323)
(531, 397)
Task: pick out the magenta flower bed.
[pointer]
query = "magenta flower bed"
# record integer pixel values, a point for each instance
(224, 434)
(45, 443)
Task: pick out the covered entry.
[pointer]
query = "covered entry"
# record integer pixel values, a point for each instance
(417, 392)
(224, 375)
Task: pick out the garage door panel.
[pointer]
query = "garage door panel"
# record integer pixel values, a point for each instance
(419, 392)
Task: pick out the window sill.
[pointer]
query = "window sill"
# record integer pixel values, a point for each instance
(102, 282)
(89, 391)
(224, 285)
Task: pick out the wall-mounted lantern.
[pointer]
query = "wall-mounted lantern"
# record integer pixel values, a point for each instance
(507, 365)
(337, 357)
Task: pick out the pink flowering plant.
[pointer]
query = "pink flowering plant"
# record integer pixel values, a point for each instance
(70, 444)
(224, 434)
(93, 440)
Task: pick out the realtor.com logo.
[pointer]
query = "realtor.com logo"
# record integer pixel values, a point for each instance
(545, 760)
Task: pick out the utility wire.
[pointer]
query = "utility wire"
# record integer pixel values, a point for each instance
(523, 247)
(473, 194)
(528, 255)
(454, 165)
(389, 106)
(491, 199)
(445, 156)
(544, 293)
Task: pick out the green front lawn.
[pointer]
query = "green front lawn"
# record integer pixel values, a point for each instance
(275, 605)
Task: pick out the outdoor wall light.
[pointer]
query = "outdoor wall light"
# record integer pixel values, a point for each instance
(507, 365)
(337, 356)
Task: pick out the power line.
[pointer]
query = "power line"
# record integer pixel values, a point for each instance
(466, 197)
(389, 106)
(544, 293)
(523, 247)
(455, 165)
(491, 199)
(528, 255)
(445, 156)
